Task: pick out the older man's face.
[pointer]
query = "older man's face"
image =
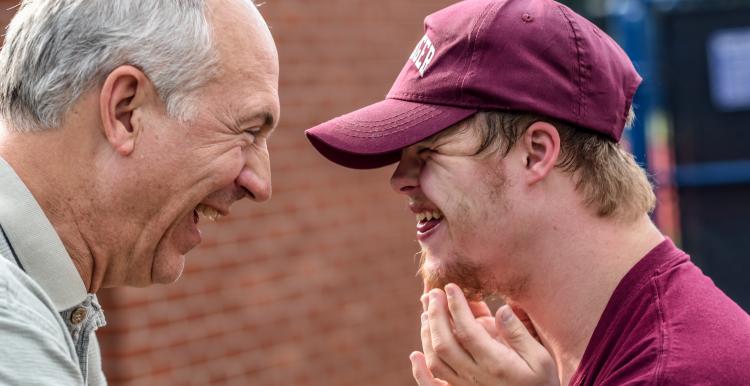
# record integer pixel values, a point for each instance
(219, 156)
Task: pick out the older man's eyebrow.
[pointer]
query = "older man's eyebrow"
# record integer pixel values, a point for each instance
(268, 119)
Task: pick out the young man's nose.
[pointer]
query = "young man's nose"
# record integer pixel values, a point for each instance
(406, 177)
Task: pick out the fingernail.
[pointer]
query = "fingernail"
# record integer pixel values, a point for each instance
(424, 317)
(506, 314)
(451, 290)
(433, 295)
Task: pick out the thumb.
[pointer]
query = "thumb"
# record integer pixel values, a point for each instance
(515, 334)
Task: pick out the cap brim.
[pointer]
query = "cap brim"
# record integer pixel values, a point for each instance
(373, 136)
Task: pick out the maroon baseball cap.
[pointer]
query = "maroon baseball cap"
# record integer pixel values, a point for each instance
(534, 56)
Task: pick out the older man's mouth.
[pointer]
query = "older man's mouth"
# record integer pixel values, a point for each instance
(192, 236)
(203, 210)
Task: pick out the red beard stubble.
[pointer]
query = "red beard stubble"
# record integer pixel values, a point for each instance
(465, 275)
(475, 281)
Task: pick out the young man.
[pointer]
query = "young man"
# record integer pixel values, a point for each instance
(505, 122)
(123, 122)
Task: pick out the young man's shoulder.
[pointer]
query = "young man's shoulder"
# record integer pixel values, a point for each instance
(706, 335)
(667, 323)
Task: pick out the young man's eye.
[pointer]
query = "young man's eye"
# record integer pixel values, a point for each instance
(424, 152)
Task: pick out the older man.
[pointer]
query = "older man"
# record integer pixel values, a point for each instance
(505, 122)
(124, 122)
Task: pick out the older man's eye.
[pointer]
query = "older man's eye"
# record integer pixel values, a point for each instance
(252, 131)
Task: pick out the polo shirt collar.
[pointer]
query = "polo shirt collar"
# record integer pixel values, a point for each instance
(35, 242)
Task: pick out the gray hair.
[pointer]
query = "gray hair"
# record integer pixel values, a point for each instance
(56, 50)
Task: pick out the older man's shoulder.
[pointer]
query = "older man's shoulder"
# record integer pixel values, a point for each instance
(24, 302)
(36, 346)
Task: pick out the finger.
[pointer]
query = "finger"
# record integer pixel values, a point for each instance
(434, 362)
(519, 339)
(525, 319)
(488, 323)
(421, 372)
(472, 336)
(492, 356)
(425, 299)
(484, 317)
(444, 341)
(480, 309)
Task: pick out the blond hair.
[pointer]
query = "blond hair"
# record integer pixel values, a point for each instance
(608, 177)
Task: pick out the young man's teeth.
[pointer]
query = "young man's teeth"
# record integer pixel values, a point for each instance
(207, 212)
(427, 216)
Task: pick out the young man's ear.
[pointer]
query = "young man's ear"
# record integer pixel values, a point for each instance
(125, 90)
(541, 144)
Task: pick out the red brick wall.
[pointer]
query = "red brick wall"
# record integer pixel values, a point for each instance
(317, 286)
(6, 13)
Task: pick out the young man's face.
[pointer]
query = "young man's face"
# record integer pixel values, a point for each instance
(473, 233)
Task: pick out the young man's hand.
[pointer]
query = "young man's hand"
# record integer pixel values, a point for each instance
(464, 346)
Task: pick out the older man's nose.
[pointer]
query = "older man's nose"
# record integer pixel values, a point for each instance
(256, 185)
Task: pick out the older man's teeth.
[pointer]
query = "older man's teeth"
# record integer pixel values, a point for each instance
(207, 212)
(428, 215)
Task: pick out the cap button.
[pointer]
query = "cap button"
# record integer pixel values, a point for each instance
(527, 17)
(78, 315)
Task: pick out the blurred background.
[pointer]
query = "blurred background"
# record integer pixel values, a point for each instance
(318, 287)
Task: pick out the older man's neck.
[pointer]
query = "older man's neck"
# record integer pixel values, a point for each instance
(53, 166)
(568, 294)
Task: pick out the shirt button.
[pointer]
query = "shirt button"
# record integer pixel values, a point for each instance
(78, 315)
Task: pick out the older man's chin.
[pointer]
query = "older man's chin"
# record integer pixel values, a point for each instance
(167, 271)
(168, 262)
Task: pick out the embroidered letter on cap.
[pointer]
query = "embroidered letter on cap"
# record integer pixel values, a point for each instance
(422, 54)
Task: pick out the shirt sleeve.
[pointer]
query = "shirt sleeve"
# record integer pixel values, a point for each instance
(34, 349)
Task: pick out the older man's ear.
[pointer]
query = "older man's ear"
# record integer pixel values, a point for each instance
(126, 90)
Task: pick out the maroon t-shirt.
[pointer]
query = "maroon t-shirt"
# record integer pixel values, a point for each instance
(668, 324)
